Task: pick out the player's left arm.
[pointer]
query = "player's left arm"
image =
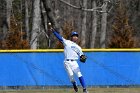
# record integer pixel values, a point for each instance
(83, 57)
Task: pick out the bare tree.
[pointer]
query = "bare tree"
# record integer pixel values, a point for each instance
(103, 25)
(83, 32)
(94, 25)
(8, 14)
(36, 24)
(5, 8)
(83, 14)
(26, 19)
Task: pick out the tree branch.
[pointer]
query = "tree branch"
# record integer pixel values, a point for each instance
(81, 8)
(70, 4)
(49, 13)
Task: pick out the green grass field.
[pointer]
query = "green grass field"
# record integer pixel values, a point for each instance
(70, 90)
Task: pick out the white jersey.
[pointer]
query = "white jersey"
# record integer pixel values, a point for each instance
(71, 50)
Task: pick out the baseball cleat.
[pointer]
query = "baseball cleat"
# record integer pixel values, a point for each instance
(76, 89)
(85, 91)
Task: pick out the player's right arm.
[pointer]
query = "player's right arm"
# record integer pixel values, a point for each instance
(55, 32)
(58, 36)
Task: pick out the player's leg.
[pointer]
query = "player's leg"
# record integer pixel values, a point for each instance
(71, 75)
(79, 75)
(81, 79)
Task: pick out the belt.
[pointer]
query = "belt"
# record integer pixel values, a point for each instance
(70, 59)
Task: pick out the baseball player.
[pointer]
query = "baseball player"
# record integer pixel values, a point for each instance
(72, 52)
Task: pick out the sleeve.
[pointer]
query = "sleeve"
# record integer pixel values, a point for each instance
(60, 38)
(78, 50)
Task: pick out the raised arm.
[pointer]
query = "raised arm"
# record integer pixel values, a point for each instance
(55, 32)
(60, 38)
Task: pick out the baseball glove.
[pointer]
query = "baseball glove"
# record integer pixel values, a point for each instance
(83, 58)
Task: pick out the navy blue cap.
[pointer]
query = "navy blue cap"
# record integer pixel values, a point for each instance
(74, 34)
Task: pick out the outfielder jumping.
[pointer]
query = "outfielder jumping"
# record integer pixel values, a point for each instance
(72, 52)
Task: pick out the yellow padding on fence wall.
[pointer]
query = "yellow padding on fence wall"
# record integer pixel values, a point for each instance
(61, 50)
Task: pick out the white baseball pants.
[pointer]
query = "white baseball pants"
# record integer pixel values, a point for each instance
(72, 68)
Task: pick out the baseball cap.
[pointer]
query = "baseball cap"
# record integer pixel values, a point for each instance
(74, 34)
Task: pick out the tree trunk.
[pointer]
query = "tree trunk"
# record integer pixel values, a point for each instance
(26, 19)
(83, 32)
(50, 18)
(3, 19)
(9, 8)
(103, 26)
(44, 22)
(94, 25)
(35, 25)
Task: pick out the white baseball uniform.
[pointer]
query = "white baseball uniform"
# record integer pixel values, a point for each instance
(72, 52)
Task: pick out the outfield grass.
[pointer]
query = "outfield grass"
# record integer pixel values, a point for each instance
(70, 90)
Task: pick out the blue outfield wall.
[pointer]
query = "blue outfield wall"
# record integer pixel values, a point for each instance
(101, 68)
